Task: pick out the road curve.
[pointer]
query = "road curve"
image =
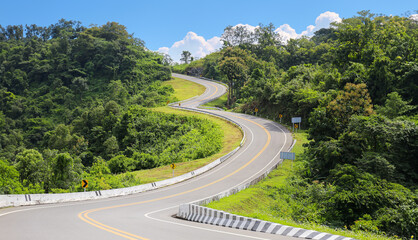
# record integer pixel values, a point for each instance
(148, 215)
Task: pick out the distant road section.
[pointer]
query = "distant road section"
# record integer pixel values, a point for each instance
(148, 215)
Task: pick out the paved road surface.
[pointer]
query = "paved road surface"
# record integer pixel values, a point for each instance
(148, 215)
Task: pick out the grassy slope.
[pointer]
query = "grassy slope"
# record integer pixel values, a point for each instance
(256, 201)
(185, 89)
(232, 136)
(220, 102)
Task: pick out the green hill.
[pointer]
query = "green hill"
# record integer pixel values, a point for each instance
(72, 106)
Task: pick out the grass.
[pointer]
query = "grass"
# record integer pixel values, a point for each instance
(232, 135)
(301, 138)
(184, 89)
(257, 201)
(219, 102)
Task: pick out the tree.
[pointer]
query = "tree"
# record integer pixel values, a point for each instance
(63, 171)
(121, 164)
(99, 167)
(237, 35)
(266, 36)
(9, 179)
(60, 138)
(31, 166)
(111, 146)
(235, 70)
(394, 106)
(186, 57)
(118, 92)
(354, 100)
(79, 85)
(167, 60)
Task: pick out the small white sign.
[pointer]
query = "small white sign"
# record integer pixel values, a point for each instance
(287, 155)
(296, 119)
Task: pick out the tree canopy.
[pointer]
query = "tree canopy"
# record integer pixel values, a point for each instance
(355, 87)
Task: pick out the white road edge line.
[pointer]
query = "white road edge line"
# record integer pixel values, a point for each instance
(200, 228)
(285, 141)
(147, 215)
(217, 168)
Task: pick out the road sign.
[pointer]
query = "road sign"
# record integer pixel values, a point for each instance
(84, 183)
(296, 119)
(287, 155)
(280, 116)
(256, 110)
(296, 125)
(173, 166)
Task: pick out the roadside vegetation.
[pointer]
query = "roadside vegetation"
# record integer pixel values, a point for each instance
(354, 86)
(81, 103)
(273, 199)
(219, 102)
(232, 137)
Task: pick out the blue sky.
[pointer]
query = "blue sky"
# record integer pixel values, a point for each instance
(162, 23)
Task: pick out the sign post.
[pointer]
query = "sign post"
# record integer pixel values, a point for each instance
(288, 155)
(280, 117)
(173, 166)
(256, 111)
(84, 184)
(296, 122)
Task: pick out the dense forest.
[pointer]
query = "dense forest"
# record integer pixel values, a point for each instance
(72, 104)
(355, 86)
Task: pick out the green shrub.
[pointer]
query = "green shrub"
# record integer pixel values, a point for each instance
(121, 164)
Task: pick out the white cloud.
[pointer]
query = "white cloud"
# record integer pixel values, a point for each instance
(286, 32)
(322, 21)
(247, 26)
(195, 44)
(199, 47)
(414, 17)
(164, 50)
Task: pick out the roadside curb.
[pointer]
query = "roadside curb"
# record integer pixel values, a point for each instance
(195, 213)
(15, 200)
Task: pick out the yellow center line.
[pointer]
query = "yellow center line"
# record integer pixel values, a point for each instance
(85, 215)
(204, 98)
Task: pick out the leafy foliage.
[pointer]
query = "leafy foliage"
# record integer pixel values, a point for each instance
(354, 85)
(71, 107)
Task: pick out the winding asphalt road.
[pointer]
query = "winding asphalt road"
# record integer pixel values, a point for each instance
(148, 215)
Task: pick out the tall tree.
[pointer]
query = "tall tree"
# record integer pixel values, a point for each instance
(235, 70)
(186, 57)
(354, 100)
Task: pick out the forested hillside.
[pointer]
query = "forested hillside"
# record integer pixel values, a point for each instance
(71, 107)
(355, 85)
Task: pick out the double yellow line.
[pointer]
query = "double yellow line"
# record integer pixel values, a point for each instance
(206, 97)
(86, 218)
